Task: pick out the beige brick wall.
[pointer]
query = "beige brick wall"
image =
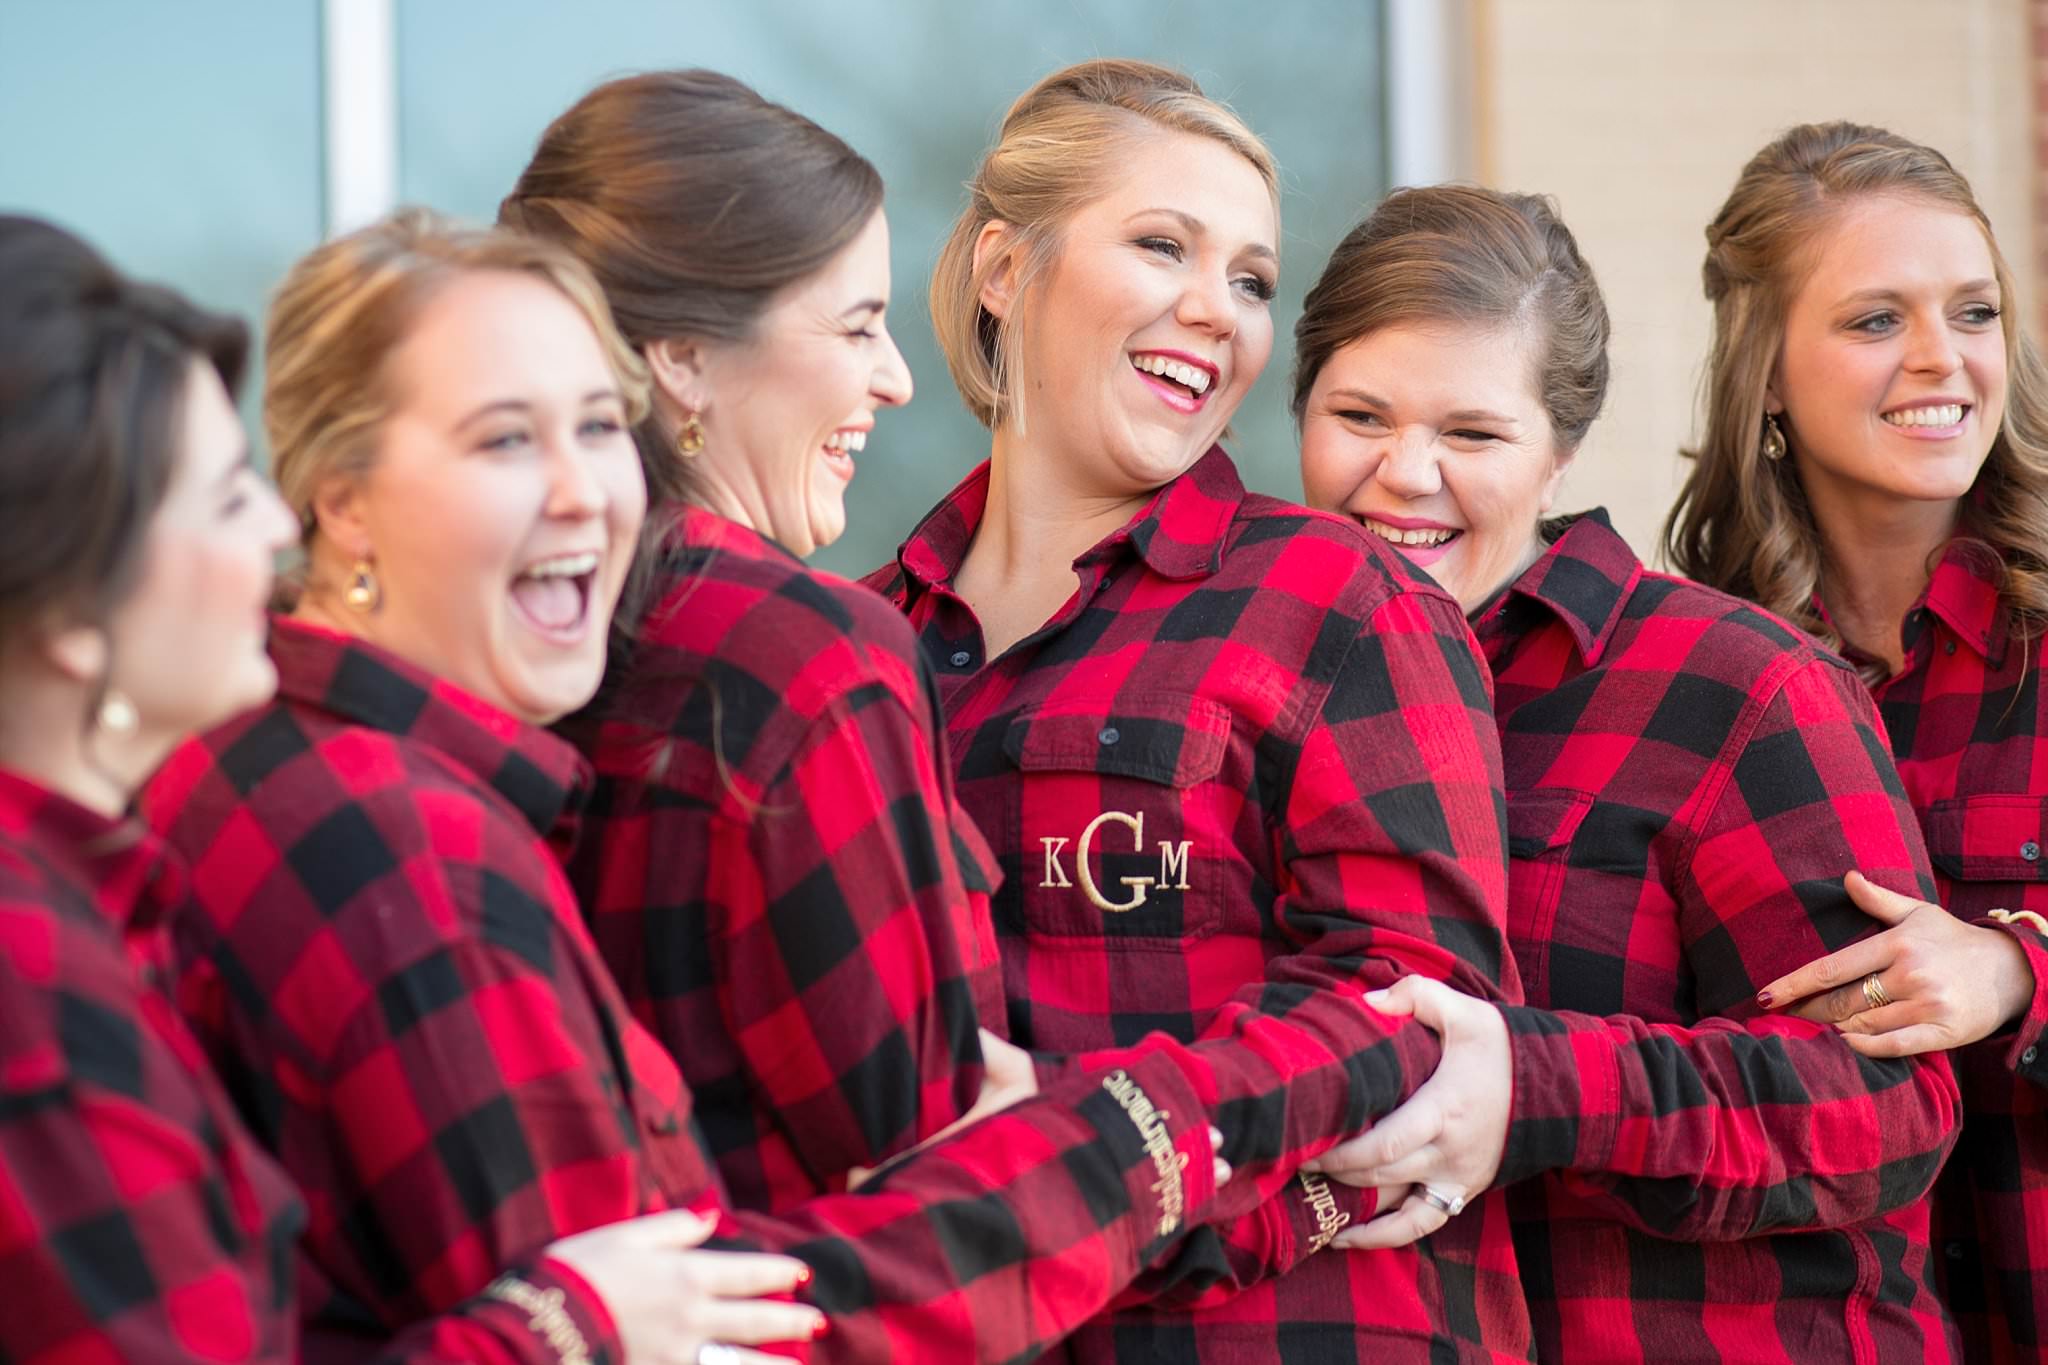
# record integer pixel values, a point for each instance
(1637, 114)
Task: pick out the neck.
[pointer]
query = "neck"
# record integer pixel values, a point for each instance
(734, 499)
(44, 738)
(1875, 558)
(1038, 522)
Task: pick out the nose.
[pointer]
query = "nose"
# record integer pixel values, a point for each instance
(1409, 467)
(1931, 348)
(892, 385)
(574, 493)
(1205, 303)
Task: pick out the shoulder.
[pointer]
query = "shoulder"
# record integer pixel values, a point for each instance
(771, 622)
(1673, 622)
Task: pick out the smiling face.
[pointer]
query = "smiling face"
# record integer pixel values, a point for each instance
(1891, 385)
(1154, 321)
(1435, 440)
(787, 410)
(501, 509)
(187, 645)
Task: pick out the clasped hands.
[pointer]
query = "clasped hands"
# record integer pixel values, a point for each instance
(1443, 1145)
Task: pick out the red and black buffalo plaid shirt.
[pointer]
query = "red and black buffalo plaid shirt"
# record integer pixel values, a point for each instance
(385, 959)
(1969, 729)
(1688, 778)
(774, 868)
(138, 1219)
(384, 962)
(1246, 772)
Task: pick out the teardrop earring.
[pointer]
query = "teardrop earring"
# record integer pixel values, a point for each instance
(362, 593)
(690, 435)
(1774, 439)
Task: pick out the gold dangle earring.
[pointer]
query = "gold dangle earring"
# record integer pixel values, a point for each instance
(362, 593)
(1774, 439)
(690, 435)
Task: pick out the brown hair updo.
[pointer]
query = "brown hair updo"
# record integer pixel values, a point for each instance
(694, 201)
(1460, 254)
(93, 370)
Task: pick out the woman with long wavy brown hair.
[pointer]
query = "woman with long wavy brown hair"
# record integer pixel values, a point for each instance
(1875, 468)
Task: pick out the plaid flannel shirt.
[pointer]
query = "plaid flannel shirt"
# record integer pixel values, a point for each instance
(1688, 779)
(774, 868)
(1246, 772)
(384, 957)
(1970, 733)
(384, 962)
(138, 1219)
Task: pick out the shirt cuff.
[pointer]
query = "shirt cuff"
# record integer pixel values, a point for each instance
(2023, 1052)
(1563, 1113)
(555, 1310)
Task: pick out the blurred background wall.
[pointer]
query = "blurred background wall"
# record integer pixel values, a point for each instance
(208, 143)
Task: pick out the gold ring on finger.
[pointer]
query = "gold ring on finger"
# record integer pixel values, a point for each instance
(1874, 993)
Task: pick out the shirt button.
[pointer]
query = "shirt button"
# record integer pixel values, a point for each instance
(2031, 851)
(1110, 734)
(961, 658)
(1954, 1251)
(1949, 648)
(2027, 1057)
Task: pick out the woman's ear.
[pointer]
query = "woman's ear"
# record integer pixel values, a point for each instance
(340, 518)
(678, 365)
(79, 652)
(994, 253)
(1560, 461)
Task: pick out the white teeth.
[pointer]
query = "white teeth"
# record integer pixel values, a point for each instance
(563, 566)
(1193, 376)
(1940, 415)
(851, 441)
(1418, 536)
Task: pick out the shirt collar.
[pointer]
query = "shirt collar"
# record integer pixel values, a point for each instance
(541, 775)
(1178, 533)
(1584, 579)
(131, 875)
(1963, 592)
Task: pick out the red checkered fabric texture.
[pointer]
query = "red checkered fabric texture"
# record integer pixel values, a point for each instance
(774, 868)
(1970, 733)
(1247, 772)
(1688, 779)
(138, 1219)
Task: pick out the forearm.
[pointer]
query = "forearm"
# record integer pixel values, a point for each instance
(1723, 1130)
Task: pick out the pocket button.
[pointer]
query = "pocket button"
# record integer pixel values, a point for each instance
(1110, 734)
(2030, 851)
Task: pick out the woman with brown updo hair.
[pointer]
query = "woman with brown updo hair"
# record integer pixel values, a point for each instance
(1686, 779)
(1875, 468)
(773, 863)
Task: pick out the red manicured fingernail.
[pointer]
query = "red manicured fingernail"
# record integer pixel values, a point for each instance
(804, 1276)
(1764, 998)
(824, 1326)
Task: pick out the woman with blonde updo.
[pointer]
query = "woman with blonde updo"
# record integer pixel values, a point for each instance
(1234, 755)
(1875, 468)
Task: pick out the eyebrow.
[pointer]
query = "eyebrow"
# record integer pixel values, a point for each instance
(865, 306)
(1369, 400)
(1893, 295)
(244, 459)
(522, 407)
(1196, 226)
